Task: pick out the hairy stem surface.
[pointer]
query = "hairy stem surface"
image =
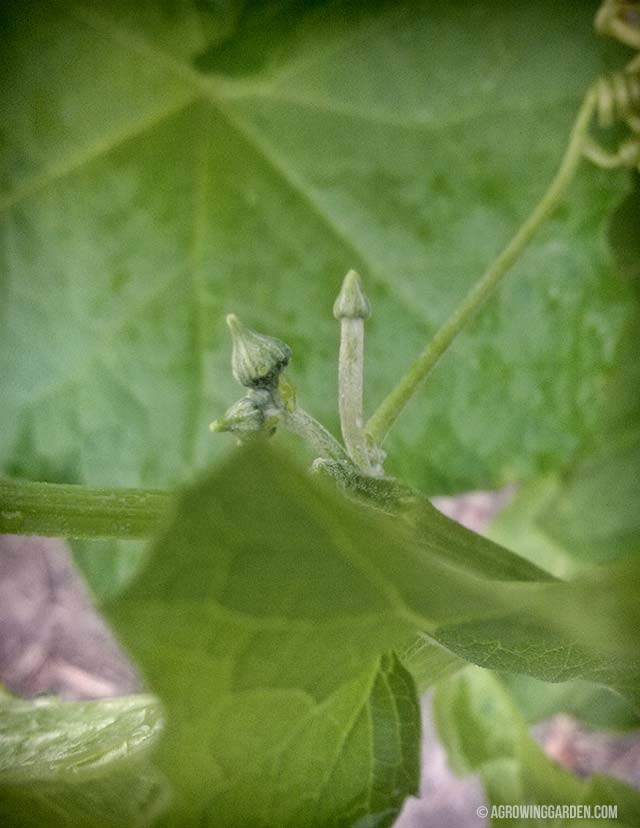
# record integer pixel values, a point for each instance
(300, 422)
(74, 511)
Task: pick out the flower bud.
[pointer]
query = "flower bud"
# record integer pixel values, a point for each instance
(257, 360)
(246, 414)
(352, 302)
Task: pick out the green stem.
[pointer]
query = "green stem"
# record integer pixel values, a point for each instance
(74, 511)
(300, 422)
(351, 377)
(388, 411)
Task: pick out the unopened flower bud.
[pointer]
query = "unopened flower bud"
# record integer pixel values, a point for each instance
(352, 302)
(244, 415)
(257, 360)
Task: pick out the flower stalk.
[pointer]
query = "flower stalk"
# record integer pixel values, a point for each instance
(351, 309)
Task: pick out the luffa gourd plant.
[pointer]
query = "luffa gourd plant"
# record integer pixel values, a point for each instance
(286, 622)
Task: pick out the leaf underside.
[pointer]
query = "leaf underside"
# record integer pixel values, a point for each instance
(263, 620)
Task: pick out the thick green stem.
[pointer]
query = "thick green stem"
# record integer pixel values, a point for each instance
(74, 511)
(392, 405)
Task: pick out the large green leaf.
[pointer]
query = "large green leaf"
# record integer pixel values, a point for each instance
(557, 631)
(519, 618)
(262, 620)
(165, 163)
(484, 733)
(601, 607)
(67, 764)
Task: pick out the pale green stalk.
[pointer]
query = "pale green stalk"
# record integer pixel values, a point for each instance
(350, 392)
(351, 308)
(300, 422)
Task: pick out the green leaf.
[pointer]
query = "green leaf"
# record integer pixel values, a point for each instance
(518, 526)
(165, 164)
(67, 764)
(263, 613)
(589, 514)
(519, 618)
(596, 515)
(598, 706)
(484, 733)
(600, 607)
(549, 639)
(50, 739)
(566, 522)
(261, 621)
(525, 621)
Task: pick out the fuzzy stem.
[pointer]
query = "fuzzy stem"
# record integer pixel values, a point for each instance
(74, 511)
(300, 422)
(350, 380)
(393, 404)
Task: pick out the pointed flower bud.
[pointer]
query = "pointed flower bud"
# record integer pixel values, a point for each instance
(257, 360)
(246, 414)
(352, 302)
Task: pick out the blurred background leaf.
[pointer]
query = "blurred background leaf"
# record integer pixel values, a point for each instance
(163, 164)
(593, 704)
(595, 515)
(484, 733)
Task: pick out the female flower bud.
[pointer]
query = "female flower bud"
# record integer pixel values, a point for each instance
(257, 360)
(247, 414)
